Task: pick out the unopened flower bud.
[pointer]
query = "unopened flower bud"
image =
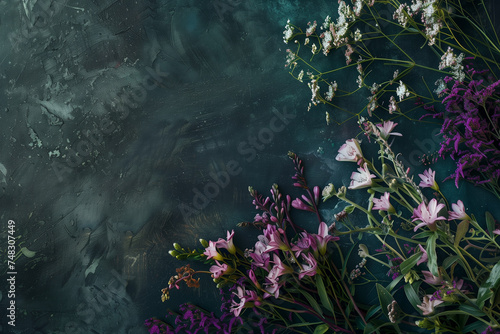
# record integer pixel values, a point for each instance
(204, 243)
(342, 191)
(328, 191)
(177, 246)
(173, 253)
(370, 191)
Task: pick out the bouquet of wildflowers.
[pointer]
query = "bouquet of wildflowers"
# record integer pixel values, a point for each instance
(442, 262)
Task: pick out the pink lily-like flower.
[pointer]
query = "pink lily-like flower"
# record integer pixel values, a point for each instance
(310, 267)
(458, 212)
(386, 128)
(424, 257)
(428, 180)
(211, 251)
(227, 244)
(323, 237)
(236, 308)
(350, 151)
(218, 270)
(497, 231)
(383, 203)
(429, 278)
(280, 267)
(276, 242)
(272, 283)
(305, 241)
(428, 305)
(428, 214)
(361, 179)
(259, 256)
(298, 204)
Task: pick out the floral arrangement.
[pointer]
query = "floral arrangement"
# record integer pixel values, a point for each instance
(442, 263)
(436, 266)
(463, 48)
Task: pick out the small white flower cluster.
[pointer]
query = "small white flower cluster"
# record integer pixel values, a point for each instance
(336, 33)
(392, 105)
(402, 91)
(359, 67)
(430, 18)
(357, 35)
(313, 85)
(348, 54)
(288, 33)
(372, 104)
(290, 58)
(300, 76)
(449, 59)
(374, 88)
(441, 86)
(401, 15)
(311, 28)
(331, 91)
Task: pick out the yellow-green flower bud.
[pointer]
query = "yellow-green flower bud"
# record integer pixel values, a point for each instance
(204, 243)
(173, 253)
(177, 246)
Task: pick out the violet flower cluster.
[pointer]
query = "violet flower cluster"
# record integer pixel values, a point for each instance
(471, 130)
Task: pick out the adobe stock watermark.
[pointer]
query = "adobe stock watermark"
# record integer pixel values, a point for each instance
(248, 149)
(120, 107)
(425, 146)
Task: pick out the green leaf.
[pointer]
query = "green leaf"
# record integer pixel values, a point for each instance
(26, 252)
(394, 283)
(488, 288)
(490, 223)
(449, 261)
(349, 209)
(373, 310)
(321, 329)
(323, 295)
(385, 298)
(422, 235)
(431, 254)
(475, 326)
(312, 302)
(409, 263)
(412, 295)
(474, 311)
(462, 229)
(382, 189)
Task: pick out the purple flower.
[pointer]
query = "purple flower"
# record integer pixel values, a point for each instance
(383, 203)
(310, 267)
(276, 242)
(305, 241)
(386, 128)
(237, 307)
(424, 256)
(218, 270)
(361, 179)
(427, 214)
(428, 179)
(458, 212)
(211, 251)
(323, 238)
(227, 244)
(429, 278)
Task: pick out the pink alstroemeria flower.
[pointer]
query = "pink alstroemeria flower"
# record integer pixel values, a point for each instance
(276, 242)
(458, 211)
(383, 203)
(497, 231)
(350, 151)
(211, 251)
(428, 305)
(323, 237)
(218, 270)
(429, 278)
(428, 180)
(386, 128)
(227, 244)
(310, 267)
(361, 179)
(305, 241)
(427, 214)
(424, 257)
